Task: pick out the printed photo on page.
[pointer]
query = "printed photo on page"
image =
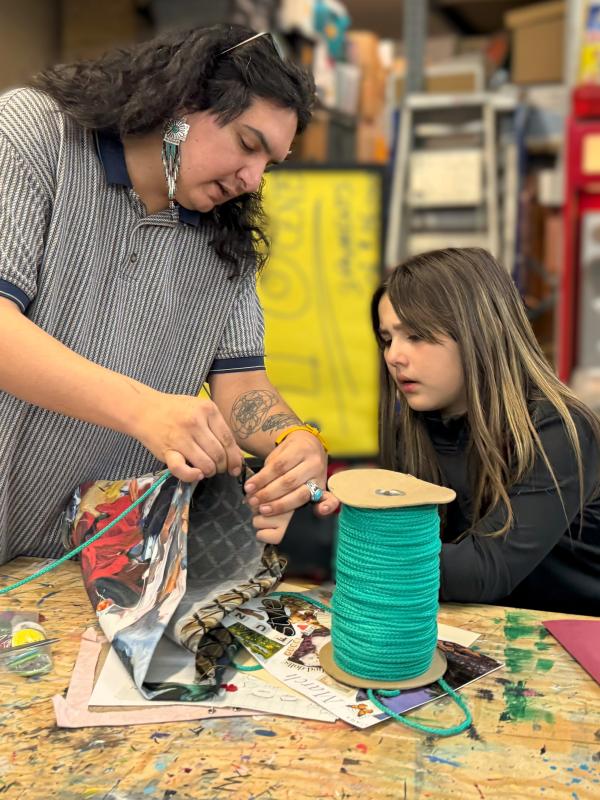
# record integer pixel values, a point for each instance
(284, 633)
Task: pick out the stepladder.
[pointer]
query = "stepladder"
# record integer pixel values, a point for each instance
(455, 180)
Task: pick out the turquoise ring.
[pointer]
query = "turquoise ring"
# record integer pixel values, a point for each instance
(316, 493)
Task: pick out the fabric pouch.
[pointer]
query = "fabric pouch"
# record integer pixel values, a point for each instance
(172, 567)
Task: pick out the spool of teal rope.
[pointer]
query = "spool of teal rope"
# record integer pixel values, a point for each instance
(385, 605)
(386, 599)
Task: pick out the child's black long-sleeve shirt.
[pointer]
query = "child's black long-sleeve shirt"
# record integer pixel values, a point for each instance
(544, 561)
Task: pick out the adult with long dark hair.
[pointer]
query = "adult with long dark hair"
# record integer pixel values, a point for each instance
(131, 234)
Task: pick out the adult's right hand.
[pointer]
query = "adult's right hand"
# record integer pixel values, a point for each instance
(188, 434)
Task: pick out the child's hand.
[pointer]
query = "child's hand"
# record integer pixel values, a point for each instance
(271, 529)
(327, 505)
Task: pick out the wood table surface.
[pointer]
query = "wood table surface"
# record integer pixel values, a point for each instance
(536, 731)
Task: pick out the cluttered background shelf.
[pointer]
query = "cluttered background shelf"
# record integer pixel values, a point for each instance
(529, 739)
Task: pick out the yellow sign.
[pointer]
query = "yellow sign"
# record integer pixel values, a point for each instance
(325, 228)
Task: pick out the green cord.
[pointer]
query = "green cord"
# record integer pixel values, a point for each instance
(419, 726)
(87, 543)
(249, 668)
(385, 603)
(306, 597)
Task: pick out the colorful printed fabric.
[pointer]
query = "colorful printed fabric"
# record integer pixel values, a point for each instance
(174, 567)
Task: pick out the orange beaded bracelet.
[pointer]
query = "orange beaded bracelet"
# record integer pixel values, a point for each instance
(305, 427)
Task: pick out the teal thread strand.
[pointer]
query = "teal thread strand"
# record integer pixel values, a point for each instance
(419, 726)
(87, 543)
(302, 596)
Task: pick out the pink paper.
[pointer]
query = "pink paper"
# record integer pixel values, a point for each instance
(72, 711)
(580, 638)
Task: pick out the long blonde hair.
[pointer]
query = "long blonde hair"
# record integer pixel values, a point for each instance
(466, 294)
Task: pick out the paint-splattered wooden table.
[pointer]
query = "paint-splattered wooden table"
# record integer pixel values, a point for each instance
(536, 729)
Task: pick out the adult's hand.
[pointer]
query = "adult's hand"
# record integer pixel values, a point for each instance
(189, 435)
(280, 486)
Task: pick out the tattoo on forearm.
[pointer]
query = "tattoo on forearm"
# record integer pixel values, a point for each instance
(279, 421)
(250, 410)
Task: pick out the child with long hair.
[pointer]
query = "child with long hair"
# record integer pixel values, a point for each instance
(469, 401)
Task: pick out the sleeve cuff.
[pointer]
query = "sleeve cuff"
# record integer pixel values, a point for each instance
(15, 294)
(244, 364)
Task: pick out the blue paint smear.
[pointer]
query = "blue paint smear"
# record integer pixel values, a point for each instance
(263, 732)
(574, 795)
(437, 760)
(584, 767)
(151, 788)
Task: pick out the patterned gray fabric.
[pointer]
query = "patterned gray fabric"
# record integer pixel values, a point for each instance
(222, 548)
(145, 296)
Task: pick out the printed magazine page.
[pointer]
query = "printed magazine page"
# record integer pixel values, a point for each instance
(285, 633)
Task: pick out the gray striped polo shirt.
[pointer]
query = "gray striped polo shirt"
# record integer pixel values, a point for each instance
(144, 295)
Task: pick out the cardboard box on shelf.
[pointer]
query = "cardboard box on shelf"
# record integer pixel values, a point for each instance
(312, 144)
(362, 49)
(371, 144)
(372, 94)
(459, 75)
(537, 46)
(437, 48)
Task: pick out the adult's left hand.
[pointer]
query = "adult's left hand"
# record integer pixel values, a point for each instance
(280, 486)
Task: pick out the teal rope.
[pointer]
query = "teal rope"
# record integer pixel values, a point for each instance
(249, 668)
(386, 599)
(419, 726)
(385, 603)
(87, 543)
(374, 695)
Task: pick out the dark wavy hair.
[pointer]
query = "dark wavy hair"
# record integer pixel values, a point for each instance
(135, 89)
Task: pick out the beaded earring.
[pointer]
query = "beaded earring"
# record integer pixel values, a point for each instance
(175, 132)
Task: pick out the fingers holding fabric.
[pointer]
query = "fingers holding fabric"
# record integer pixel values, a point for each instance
(190, 435)
(271, 530)
(282, 483)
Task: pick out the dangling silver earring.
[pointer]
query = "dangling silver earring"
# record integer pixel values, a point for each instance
(175, 132)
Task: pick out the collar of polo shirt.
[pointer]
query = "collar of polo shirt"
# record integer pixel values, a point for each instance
(112, 157)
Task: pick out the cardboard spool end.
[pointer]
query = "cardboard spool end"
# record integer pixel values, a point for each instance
(436, 670)
(384, 488)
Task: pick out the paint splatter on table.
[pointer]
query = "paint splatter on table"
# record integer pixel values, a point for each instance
(536, 730)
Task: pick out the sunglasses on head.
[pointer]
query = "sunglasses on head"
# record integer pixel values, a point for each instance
(269, 35)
